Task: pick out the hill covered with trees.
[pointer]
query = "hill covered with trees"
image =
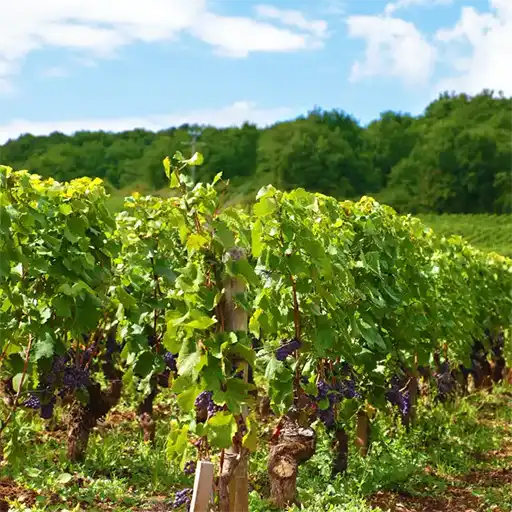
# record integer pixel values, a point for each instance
(454, 158)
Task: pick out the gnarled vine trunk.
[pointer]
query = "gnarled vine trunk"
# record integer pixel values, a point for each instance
(291, 447)
(498, 362)
(413, 388)
(83, 418)
(234, 467)
(340, 462)
(145, 414)
(481, 367)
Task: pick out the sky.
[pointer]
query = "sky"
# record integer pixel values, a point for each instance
(68, 65)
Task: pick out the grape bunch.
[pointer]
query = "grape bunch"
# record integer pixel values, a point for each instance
(59, 363)
(183, 497)
(112, 346)
(190, 467)
(32, 403)
(205, 401)
(67, 374)
(75, 378)
(347, 388)
(395, 396)
(170, 362)
(324, 390)
(47, 409)
(326, 416)
(287, 348)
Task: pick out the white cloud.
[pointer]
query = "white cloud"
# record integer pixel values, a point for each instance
(237, 37)
(98, 28)
(479, 50)
(394, 47)
(292, 18)
(472, 55)
(232, 115)
(392, 7)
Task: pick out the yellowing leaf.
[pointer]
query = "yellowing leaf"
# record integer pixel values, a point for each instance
(196, 241)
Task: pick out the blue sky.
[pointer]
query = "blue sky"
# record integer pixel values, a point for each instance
(118, 64)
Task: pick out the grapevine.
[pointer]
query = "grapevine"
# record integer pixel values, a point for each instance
(345, 307)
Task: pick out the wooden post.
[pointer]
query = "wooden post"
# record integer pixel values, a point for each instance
(234, 472)
(203, 486)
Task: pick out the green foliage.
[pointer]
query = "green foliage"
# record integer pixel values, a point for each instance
(56, 265)
(352, 281)
(453, 158)
(354, 284)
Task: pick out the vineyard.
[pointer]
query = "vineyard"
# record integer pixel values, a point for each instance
(484, 231)
(224, 359)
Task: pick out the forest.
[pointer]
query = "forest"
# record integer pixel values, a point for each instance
(453, 158)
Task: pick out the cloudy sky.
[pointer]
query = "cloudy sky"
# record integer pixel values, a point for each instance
(68, 65)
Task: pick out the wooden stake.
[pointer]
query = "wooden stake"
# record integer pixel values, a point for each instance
(235, 470)
(203, 487)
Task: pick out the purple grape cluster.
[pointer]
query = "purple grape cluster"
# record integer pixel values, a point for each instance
(190, 467)
(75, 378)
(287, 348)
(497, 348)
(67, 374)
(326, 416)
(112, 346)
(170, 362)
(395, 396)
(47, 409)
(205, 401)
(322, 389)
(242, 427)
(183, 497)
(59, 363)
(32, 402)
(347, 388)
(341, 389)
(64, 374)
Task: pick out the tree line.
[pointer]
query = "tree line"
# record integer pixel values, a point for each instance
(454, 158)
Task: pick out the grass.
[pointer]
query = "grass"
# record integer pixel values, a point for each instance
(458, 456)
(486, 232)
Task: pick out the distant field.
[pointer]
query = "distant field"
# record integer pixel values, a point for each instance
(487, 232)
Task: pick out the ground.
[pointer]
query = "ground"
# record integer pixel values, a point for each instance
(457, 459)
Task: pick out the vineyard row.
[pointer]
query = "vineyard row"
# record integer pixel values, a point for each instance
(317, 309)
